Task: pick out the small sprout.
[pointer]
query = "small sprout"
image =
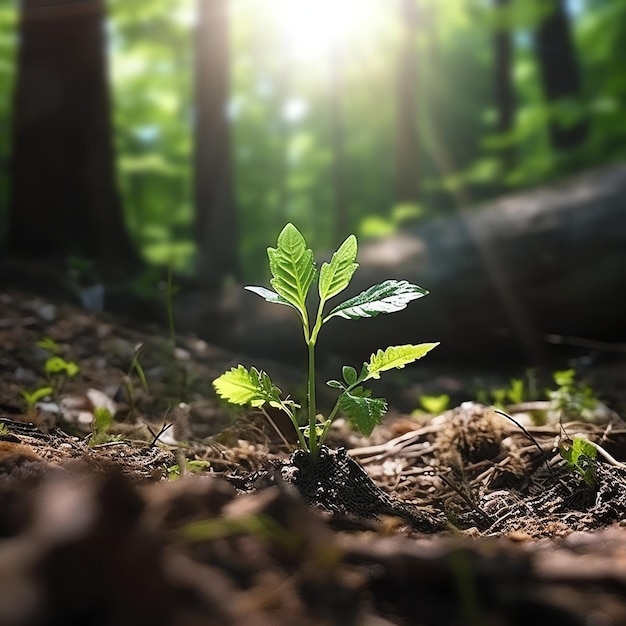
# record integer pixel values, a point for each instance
(574, 400)
(435, 405)
(294, 272)
(31, 398)
(174, 472)
(58, 365)
(516, 391)
(581, 458)
(102, 420)
(49, 345)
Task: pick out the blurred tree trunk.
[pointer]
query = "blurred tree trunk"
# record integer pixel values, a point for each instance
(503, 76)
(63, 199)
(559, 72)
(216, 220)
(407, 186)
(336, 90)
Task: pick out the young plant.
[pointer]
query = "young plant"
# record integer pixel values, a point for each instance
(435, 405)
(102, 420)
(573, 399)
(32, 397)
(581, 458)
(294, 272)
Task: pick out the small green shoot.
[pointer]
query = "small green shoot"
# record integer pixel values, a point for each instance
(435, 405)
(49, 345)
(31, 398)
(58, 365)
(174, 472)
(294, 272)
(102, 420)
(135, 366)
(574, 399)
(581, 458)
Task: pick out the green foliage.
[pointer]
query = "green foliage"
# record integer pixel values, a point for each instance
(58, 365)
(102, 420)
(293, 270)
(435, 405)
(581, 458)
(518, 391)
(387, 297)
(242, 386)
(395, 357)
(282, 112)
(49, 345)
(31, 398)
(575, 400)
(174, 472)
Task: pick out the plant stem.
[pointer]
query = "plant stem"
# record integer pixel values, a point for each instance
(311, 400)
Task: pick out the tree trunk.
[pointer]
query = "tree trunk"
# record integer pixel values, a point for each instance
(216, 220)
(336, 89)
(503, 76)
(559, 73)
(63, 200)
(407, 187)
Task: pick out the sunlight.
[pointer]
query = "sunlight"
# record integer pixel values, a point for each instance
(314, 29)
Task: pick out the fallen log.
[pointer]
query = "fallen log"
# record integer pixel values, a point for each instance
(505, 279)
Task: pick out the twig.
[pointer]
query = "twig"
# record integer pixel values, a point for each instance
(466, 498)
(521, 427)
(273, 425)
(157, 435)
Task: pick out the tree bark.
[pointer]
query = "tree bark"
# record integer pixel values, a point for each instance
(216, 219)
(63, 199)
(559, 73)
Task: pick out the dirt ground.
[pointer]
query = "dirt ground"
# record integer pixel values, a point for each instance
(178, 512)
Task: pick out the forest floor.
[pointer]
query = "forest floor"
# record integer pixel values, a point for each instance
(181, 513)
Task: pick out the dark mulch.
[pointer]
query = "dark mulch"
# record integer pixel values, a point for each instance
(196, 514)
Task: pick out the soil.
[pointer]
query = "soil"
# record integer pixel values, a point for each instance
(189, 512)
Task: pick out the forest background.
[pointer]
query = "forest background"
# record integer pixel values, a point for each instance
(185, 133)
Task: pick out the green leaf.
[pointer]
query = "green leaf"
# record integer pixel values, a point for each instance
(102, 419)
(435, 404)
(49, 345)
(335, 384)
(363, 412)
(349, 374)
(35, 396)
(396, 357)
(292, 266)
(57, 365)
(581, 457)
(387, 297)
(240, 386)
(580, 448)
(269, 295)
(336, 275)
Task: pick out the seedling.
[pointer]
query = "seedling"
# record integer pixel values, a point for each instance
(581, 458)
(102, 420)
(32, 397)
(575, 400)
(174, 472)
(136, 367)
(57, 369)
(293, 270)
(435, 405)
